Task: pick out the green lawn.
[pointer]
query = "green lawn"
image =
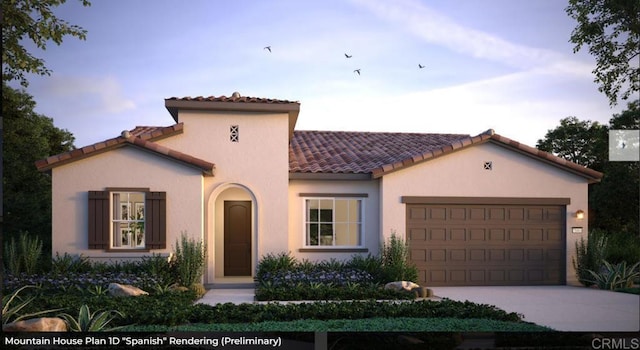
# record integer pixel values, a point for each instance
(406, 324)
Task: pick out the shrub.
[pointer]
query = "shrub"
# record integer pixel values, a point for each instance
(160, 267)
(589, 255)
(25, 255)
(91, 321)
(612, 277)
(370, 264)
(190, 258)
(31, 250)
(246, 313)
(272, 263)
(68, 263)
(12, 257)
(14, 313)
(395, 261)
(622, 246)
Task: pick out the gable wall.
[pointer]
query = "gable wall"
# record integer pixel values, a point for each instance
(123, 167)
(259, 162)
(461, 174)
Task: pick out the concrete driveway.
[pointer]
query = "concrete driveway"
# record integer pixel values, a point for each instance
(563, 308)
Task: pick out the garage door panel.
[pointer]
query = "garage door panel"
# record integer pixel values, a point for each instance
(497, 255)
(554, 235)
(417, 213)
(477, 255)
(516, 235)
(438, 214)
(458, 214)
(438, 255)
(487, 245)
(534, 235)
(477, 234)
(418, 234)
(457, 255)
(438, 234)
(458, 234)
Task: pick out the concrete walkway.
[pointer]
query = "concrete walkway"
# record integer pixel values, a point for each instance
(563, 308)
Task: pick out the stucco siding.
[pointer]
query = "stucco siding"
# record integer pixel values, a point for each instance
(125, 167)
(258, 163)
(371, 215)
(462, 174)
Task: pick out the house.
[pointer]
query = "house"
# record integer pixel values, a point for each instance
(234, 172)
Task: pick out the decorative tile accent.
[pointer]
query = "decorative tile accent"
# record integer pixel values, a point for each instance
(234, 133)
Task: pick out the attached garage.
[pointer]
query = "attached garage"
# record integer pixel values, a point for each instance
(457, 241)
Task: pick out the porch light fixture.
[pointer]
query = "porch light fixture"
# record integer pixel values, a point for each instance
(580, 214)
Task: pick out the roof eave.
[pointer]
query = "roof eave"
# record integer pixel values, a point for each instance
(590, 175)
(291, 108)
(330, 176)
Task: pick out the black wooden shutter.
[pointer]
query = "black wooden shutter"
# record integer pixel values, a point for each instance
(98, 220)
(156, 220)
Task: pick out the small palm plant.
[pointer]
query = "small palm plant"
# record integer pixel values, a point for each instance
(91, 322)
(11, 312)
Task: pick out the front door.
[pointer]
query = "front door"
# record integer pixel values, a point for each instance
(237, 238)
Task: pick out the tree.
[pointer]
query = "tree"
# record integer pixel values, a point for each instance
(582, 142)
(33, 20)
(611, 29)
(27, 137)
(615, 200)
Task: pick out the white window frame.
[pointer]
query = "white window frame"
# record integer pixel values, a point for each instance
(132, 207)
(360, 223)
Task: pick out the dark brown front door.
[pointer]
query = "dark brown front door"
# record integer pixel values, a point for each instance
(237, 238)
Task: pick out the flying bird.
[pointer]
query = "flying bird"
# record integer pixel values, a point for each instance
(357, 71)
(268, 48)
(348, 56)
(420, 66)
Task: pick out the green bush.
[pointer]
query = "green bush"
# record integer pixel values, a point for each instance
(612, 277)
(396, 264)
(91, 321)
(24, 256)
(68, 263)
(190, 257)
(370, 264)
(589, 255)
(329, 291)
(250, 313)
(622, 246)
(16, 308)
(160, 267)
(272, 263)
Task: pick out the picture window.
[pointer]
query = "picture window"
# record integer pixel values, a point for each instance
(127, 220)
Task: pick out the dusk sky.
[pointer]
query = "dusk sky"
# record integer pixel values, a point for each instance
(505, 65)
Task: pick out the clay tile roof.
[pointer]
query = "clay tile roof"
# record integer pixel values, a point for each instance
(140, 136)
(361, 152)
(235, 102)
(381, 153)
(237, 98)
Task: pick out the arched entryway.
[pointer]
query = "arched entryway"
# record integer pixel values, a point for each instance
(232, 230)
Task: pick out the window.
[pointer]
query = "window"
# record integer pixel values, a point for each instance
(333, 222)
(127, 220)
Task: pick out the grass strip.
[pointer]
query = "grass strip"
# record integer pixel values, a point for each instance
(406, 324)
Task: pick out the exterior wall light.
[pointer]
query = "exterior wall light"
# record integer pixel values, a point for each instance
(580, 214)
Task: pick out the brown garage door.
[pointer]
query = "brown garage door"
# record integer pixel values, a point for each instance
(479, 244)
